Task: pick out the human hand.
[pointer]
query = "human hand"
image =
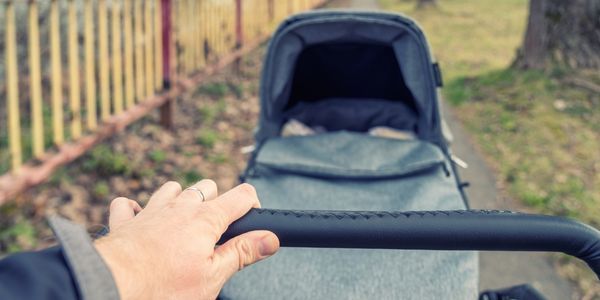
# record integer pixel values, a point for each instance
(168, 249)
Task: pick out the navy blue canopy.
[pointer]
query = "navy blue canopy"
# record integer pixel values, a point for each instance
(377, 64)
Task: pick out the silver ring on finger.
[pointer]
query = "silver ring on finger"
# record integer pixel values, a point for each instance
(198, 191)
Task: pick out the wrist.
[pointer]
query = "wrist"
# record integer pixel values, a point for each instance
(123, 268)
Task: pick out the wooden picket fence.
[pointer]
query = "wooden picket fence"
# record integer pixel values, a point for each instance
(77, 71)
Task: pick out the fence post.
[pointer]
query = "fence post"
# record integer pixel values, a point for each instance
(138, 42)
(12, 87)
(271, 13)
(37, 117)
(158, 72)
(128, 51)
(117, 67)
(90, 68)
(74, 80)
(56, 71)
(239, 34)
(148, 48)
(103, 58)
(166, 110)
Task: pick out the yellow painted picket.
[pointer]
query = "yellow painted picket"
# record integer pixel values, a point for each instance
(35, 82)
(90, 66)
(74, 85)
(12, 87)
(117, 62)
(56, 74)
(94, 59)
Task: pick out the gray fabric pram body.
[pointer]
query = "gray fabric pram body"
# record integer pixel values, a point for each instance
(346, 169)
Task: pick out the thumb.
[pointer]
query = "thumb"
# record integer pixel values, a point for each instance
(244, 250)
(121, 210)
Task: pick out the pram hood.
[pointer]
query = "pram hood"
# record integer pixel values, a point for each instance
(384, 56)
(353, 71)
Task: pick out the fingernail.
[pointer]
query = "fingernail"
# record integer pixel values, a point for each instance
(269, 244)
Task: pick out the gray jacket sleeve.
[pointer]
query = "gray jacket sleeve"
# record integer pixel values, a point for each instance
(93, 278)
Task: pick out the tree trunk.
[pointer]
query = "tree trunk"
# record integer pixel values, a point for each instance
(426, 3)
(563, 33)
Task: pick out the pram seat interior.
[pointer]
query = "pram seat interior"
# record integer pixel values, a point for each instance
(354, 171)
(350, 86)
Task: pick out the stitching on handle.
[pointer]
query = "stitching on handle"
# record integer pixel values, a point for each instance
(376, 214)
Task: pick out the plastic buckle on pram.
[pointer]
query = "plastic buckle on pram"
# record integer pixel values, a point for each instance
(459, 162)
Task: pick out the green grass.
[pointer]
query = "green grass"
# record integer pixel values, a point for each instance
(189, 177)
(217, 158)
(547, 155)
(237, 89)
(59, 175)
(540, 132)
(158, 156)
(207, 137)
(16, 233)
(216, 90)
(103, 160)
(101, 189)
(209, 112)
(22, 233)
(469, 37)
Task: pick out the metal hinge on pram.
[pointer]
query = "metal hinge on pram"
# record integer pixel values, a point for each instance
(437, 74)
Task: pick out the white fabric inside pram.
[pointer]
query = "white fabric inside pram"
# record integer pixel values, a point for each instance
(294, 127)
(354, 114)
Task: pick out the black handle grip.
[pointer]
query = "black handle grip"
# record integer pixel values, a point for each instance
(426, 230)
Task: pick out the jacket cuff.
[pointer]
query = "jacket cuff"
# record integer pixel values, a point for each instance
(94, 279)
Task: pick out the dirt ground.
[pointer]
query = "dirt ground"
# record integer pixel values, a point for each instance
(211, 125)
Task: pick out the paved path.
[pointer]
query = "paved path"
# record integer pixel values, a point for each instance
(497, 269)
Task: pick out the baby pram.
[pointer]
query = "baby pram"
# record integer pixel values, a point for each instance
(344, 74)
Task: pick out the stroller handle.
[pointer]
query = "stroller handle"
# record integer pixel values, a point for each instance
(426, 230)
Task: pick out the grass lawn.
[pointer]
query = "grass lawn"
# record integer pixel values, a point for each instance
(469, 37)
(539, 130)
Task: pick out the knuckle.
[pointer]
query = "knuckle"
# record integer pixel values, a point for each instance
(211, 184)
(174, 185)
(213, 218)
(133, 204)
(118, 202)
(172, 205)
(245, 253)
(248, 189)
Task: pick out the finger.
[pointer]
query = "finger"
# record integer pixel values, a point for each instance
(244, 250)
(230, 206)
(122, 210)
(206, 186)
(164, 194)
